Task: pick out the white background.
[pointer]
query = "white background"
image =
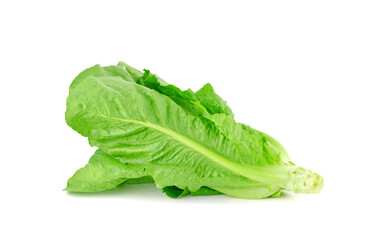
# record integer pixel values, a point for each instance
(297, 70)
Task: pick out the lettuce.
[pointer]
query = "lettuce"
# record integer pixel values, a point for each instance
(185, 142)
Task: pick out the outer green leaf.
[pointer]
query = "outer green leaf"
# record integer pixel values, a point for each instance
(103, 172)
(144, 127)
(99, 71)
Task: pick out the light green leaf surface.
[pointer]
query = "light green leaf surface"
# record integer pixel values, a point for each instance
(103, 172)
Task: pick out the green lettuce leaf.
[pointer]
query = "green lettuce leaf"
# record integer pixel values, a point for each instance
(211, 101)
(99, 71)
(185, 99)
(149, 132)
(103, 172)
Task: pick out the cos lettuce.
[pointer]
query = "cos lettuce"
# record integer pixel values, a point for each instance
(185, 142)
